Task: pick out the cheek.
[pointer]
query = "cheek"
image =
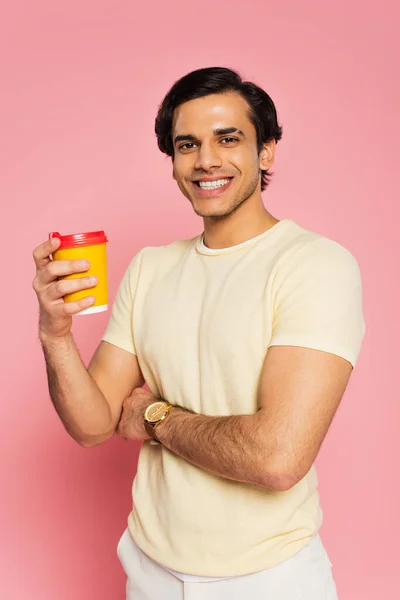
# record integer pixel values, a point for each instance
(243, 160)
(178, 169)
(184, 165)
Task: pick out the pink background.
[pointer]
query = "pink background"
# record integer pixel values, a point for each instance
(80, 87)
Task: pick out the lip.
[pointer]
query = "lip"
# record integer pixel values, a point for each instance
(212, 178)
(211, 193)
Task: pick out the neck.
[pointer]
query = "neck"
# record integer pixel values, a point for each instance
(242, 224)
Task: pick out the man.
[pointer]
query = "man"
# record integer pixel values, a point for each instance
(246, 336)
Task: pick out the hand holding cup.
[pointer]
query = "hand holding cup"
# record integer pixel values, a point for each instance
(62, 283)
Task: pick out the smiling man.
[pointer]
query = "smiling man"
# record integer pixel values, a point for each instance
(246, 335)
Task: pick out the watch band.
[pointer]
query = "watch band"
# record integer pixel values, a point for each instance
(151, 431)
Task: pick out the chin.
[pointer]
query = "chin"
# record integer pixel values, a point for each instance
(213, 212)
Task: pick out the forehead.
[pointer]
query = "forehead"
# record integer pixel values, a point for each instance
(203, 115)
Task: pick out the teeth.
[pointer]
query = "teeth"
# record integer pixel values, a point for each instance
(213, 184)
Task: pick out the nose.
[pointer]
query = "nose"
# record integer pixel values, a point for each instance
(208, 158)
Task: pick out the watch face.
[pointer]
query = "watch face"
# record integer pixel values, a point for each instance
(155, 411)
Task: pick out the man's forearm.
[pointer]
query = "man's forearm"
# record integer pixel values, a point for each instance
(233, 447)
(76, 397)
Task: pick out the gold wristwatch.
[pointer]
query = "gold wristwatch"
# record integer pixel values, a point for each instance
(155, 414)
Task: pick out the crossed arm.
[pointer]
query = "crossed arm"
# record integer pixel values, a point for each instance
(300, 391)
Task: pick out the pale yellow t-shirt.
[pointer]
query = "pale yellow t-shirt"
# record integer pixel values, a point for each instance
(200, 324)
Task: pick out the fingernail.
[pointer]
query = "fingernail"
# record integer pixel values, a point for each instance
(92, 280)
(83, 264)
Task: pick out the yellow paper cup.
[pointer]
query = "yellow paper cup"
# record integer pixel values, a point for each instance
(92, 247)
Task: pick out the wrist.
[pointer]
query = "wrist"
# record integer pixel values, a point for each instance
(47, 338)
(164, 430)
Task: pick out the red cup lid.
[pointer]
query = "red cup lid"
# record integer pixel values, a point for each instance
(80, 239)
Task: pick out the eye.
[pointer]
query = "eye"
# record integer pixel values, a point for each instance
(187, 146)
(229, 140)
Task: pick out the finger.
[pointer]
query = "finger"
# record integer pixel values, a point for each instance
(41, 254)
(120, 433)
(61, 309)
(138, 392)
(61, 288)
(60, 268)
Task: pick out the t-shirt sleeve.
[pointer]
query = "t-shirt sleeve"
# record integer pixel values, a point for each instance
(119, 330)
(317, 300)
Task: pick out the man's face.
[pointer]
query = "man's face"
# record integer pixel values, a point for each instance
(216, 164)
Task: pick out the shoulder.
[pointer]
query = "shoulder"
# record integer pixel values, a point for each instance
(175, 248)
(307, 251)
(169, 252)
(155, 258)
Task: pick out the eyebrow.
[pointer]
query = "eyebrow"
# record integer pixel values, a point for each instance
(221, 131)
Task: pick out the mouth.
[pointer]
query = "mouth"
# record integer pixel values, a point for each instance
(210, 189)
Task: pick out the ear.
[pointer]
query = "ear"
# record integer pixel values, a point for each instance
(267, 155)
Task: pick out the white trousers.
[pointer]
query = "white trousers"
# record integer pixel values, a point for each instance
(305, 576)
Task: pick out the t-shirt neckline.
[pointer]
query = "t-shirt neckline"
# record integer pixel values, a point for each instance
(202, 249)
